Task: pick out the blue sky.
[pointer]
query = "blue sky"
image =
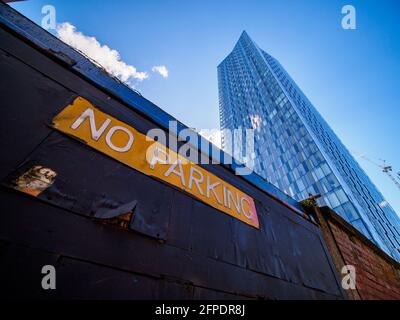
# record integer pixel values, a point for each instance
(351, 76)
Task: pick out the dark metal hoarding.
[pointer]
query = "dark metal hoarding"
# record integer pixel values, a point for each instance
(112, 231)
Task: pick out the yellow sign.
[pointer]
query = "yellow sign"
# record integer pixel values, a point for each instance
(134, 149)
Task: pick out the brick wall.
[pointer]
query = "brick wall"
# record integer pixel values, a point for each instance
(377, 274)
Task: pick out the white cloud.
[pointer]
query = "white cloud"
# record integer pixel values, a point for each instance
(162, 70)
(108, 58)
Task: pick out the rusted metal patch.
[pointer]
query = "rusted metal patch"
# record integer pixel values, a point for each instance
(35, 180)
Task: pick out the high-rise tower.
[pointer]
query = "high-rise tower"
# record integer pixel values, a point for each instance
(295, 149)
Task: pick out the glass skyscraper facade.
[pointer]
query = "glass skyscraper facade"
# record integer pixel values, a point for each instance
(295, 149)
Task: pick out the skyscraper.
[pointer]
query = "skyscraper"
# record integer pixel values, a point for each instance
(295, 149)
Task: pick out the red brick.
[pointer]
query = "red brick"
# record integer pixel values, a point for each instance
(376, 276)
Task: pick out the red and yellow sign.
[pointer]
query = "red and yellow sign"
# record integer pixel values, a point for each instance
(134, 149)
